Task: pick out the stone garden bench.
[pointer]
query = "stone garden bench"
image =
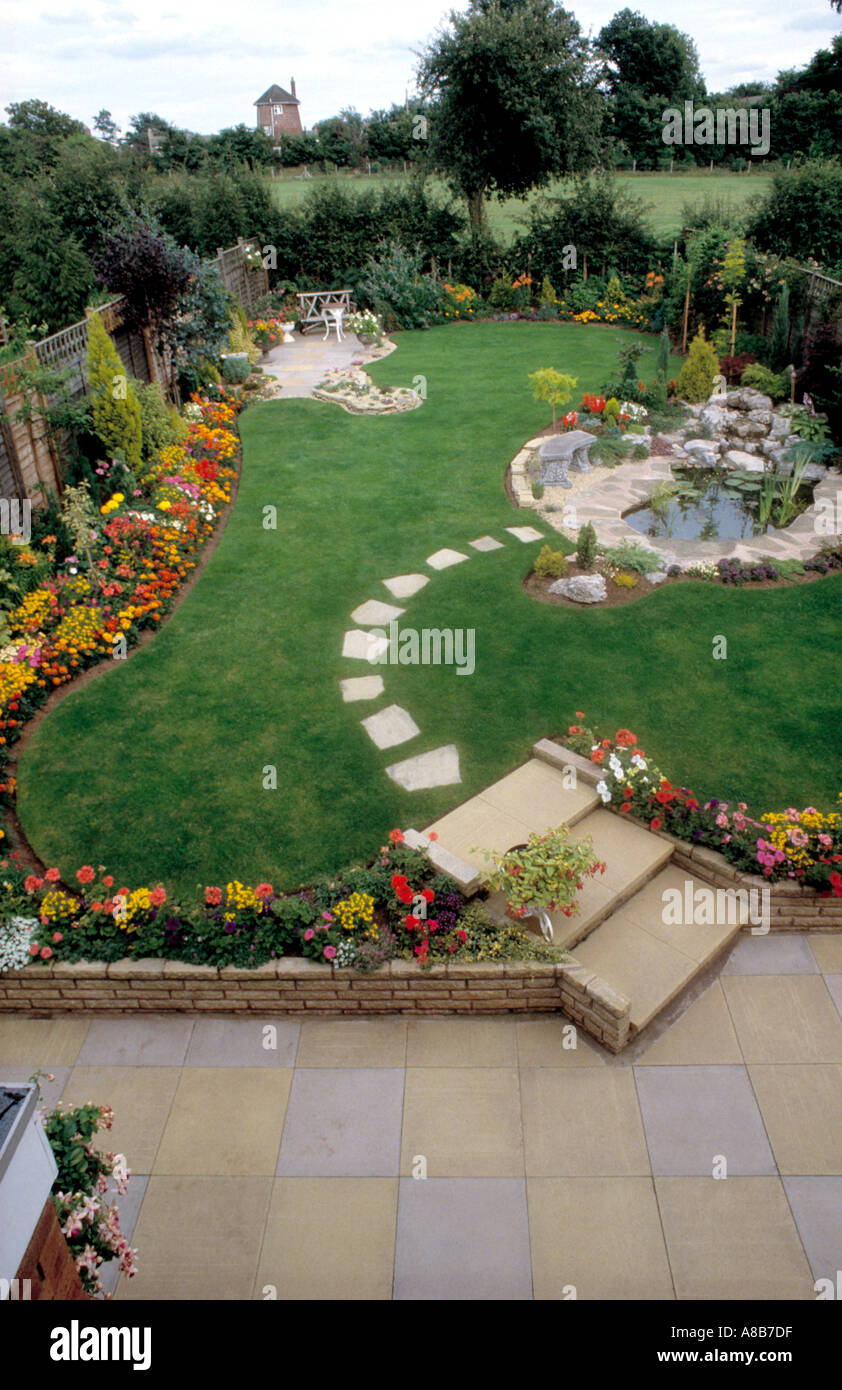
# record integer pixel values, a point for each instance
(562, 451)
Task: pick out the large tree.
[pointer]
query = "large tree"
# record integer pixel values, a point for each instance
(514, 99)
(647, 66)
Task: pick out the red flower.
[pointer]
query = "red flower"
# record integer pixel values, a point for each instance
(396, 836)
(628, 791)
(108, 880)
(157, 897)
(57, 936)
(213, 896)
(46, 952)
(625, 738)
(626, 806)
(575, 729)
(433, 835)
(32, 884)
(52, 875)
(655, 823)
(597, 756)
(428, 895)
(579, 713)
(85, 874)
(411, 922)
(262, 891)
(404, 894)
(398, 880)
(606, 743)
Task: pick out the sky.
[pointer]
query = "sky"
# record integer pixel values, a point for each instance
(201, 63)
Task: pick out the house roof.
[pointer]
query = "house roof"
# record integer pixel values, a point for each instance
(276, 94)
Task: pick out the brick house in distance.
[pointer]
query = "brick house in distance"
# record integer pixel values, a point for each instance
(277, 111)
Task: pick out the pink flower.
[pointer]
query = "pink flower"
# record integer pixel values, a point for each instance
(327, 916)
(722, 820)
(329, 952)
(309, 934)
(825, 841)
(798, 838)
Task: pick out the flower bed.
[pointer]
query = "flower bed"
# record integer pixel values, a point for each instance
(805, 846)
(134, 556)
(398, 907)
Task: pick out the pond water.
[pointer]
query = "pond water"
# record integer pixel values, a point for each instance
(714, 505)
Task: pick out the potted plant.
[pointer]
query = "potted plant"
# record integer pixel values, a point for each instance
(544, 875)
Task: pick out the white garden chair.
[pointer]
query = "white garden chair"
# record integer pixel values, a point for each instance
(333, 316)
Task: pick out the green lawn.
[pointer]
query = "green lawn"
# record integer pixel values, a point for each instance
(665, 194)
(155, 767)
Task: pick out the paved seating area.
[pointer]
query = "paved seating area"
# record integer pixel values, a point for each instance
(291, 1166)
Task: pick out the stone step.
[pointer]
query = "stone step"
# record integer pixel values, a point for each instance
(649, 960)
(534, 797)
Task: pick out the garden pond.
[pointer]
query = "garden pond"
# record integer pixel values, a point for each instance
(711, 504)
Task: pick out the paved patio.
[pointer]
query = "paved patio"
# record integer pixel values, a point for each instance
(286, 1159)
(300, 366)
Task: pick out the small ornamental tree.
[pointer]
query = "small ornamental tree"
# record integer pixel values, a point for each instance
(733, 275)
(701, 367)
(114, 405)
(586, 546)
(554, 387)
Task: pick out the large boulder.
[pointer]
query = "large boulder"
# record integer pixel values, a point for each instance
(746, 399)
(739, 458)
(582, 588)
(779, 427)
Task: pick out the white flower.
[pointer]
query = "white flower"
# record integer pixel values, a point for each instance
(602, 788)
(637, 761)
(616, 766)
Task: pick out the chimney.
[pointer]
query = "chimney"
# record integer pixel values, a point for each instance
(292, 85)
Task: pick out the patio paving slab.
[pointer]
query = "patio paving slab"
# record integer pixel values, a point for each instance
(734, 1238)
(329, 1239)
(343, 1122)
(817, 1207)
(786, 1018)
(243, 1042)
(390, 726)
(834, 984)
(451, 1232)
(582, 1122)
(775, 954)
(361, 688)
(141, 1098)
(352, 1042)
(802, 1111)
(405, 585)
(363, 646)
(632, 961)
(828, 952)
(224, 1122)
(486, 543)
(536, 794)
(601, 1235)
(437, 768)
(693, 1116)
(703, 1035)
(151, 1041)
(632, 855)
(41, 1042)
(464, 1121)
(546, 1042)
(199, 1238)
(525, 533)
(461, 1042)
(128, 1206)
(652, 908)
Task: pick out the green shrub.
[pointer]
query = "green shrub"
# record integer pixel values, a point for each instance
(701, 366)
(629, 555)
(537, 491)
(586, 546)
(235, 370)
(624, 580)
(548, 294)
(550, 564)
(160, 424)
(395, 288)
(608, 449)
(640, 451)
(611, 413)
(501, 296)
(774, 384)
(114, 405)
(239, 337)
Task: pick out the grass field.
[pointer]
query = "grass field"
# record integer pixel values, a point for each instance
(665, 194)
(155, 768)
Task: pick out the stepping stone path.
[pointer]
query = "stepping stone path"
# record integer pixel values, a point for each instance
(525, 533)
(364, 646)
(444, 558)
(390, 726)
(376, 614)
(405, 585)
(439, 767)
(361, 688)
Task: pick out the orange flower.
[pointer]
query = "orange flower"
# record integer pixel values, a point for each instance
(625, 738)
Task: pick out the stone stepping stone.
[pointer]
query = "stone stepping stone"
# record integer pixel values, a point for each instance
(438, 768)
(376, 614)
(364, 646)
(405, 585)
(442, 559)
(361, 688)
(525, 533)
(486, 543)
(390, 726)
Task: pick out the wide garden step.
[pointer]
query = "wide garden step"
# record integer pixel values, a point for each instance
(533, 798)
(651, 961)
